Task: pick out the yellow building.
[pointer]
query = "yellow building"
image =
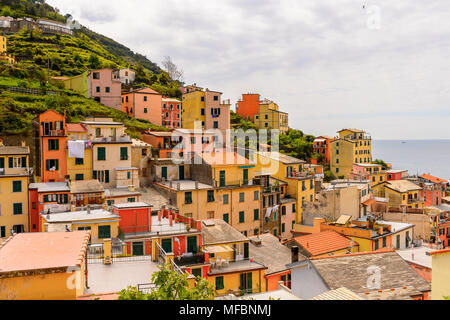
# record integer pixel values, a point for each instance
(440, 277)
(77, 83)
(403, 193)
(232, 270)
(3, 51)
(46, 266)
(14, 180)
(102, 224)
(301, 185)
(79, 168)
(352, 146)
(270, 117)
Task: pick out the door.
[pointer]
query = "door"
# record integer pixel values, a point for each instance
(138, 248)
(181, 172)
(246, 254)
(249, 282)
(192, 244)
(245, 177)
(166, 244)
(164, 172)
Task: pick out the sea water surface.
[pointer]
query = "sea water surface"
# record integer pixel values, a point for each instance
(417, 156)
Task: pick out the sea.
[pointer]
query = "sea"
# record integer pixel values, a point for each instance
(417, 156)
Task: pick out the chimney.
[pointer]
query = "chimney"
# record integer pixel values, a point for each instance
(294, 254)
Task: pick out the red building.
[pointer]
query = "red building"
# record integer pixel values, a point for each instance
(50, 127)
(49, 197)
(141, 230)
(248, 106)
(444, 233)
(394, 174)
(171, 113)
(321, 145)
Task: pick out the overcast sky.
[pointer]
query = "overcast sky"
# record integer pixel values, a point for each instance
(382, 66)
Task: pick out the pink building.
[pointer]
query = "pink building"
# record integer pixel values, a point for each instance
(144, 104)
(217, 113)
(104, 86)
(171, 113)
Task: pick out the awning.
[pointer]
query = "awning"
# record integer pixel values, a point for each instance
(368, 202)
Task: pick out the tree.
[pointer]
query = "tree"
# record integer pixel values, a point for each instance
(170, 285)
(381, 162)
(94, 61)
(174, 72)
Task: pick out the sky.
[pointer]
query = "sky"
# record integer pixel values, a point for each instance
(381, 66)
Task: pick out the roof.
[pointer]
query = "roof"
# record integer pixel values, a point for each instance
(86, 186)
(417, 255)
(324, 242)
(131, 205)
(216, 231)
(433, 178)
(351, 271)
(143, 90)
(139, 143)
(402, 186)
(224, 158)
(14, 150)
(338, 294)
(121, 192)
(284, 158)
(50, 186)
(185, 185)
(170, 100)
(43, 250)
(440, 251)
(352, 130)
(66, 217)
(396, 171)
(75, 127)
(270, 253)
(159, 133)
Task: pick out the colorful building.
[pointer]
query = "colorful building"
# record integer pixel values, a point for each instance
(4, 56)
(104, 86)
(43, 266)
(141, 153)
(270, 117)
(321, 145)
(171, 113)
(47, 197)
(102, 224)
(86, 192)
(50, 127)
(352, 146)
(144, 104)
(14, 179)
(373, 173)
(403, 193)
(127, 76)
(440, 279)
(396, 174)
(78, 168)
(248, 106)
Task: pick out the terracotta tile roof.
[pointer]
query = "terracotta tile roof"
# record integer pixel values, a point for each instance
(323, 242)
(14, 150)
(402, 186)
(43, 250)
(224, 158)
(433, 178)
(75, 127)
(440, 251)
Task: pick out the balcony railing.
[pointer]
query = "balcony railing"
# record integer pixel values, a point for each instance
(53, 133)
(416, 200)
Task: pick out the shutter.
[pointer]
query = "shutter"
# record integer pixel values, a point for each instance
(94, 174)
(24, 162)
(249, 282)
(242, 282)
(2, 163)
(10, 162)
(66, 198)
(46, 198)
(57, 164)
(47, 165)
(246, 250)
(234, 252)
(57, 144)
(106, 176)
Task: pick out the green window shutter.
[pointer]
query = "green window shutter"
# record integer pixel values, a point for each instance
(188, 197)
(219, 283)
(283, 228)
(2, 162)
(17, 186)
(66, 198)
(376, 244)
(10, 162)
(256, 195)
(384, 242)
(249, 282)
(17, 208)
(241, 217)
(256, 214)
(245, 177)
(94, 174)
(79, 160)
(46, 198)
(2, 232)
(47, 165)
(242, 282)
(123, 153)
(57, 144)
(225, 199)
(234, 251)
(128, 175)
(246, 252)
(241, 197)
(57, 164)
(106, 176)
(24, 162)
(225, 218)
(79, 176)
(274, 216)
(222, 178)
(101, 153)
(104, 232)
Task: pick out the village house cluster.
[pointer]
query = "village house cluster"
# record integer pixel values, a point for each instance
(255, 223)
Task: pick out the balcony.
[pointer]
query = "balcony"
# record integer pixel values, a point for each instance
(415, 200)
(188, 259)
(124, 138)
(53, 133)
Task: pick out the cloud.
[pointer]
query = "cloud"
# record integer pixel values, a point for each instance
(318, 60)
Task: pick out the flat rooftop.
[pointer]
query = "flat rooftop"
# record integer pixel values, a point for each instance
(417, 256)
(132, 205)
(79, 216)
(186, 185)
(235, 266)
(50, 186)
(43, 250)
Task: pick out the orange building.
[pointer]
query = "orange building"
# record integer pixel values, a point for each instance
(50, 127)
(248, 106)
(144, 104)
(321, 145)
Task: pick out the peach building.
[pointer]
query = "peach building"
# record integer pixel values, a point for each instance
(144, 104)
(171, 113)
(104, 86)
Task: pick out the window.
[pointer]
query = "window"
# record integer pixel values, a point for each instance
(79, 176)
(2, 232)
(274, 216)
(17, 186)
(17, 208)
(210, 195)
(210, 215)
(398, 241)
(202, 98)
(303, 186)
(102, 176)
(188, 197)
(101, 153)
(216, 124)
(202, 111)
(145, 98)
(283, 227)
(131, 199)
(241, 217)
(98, 132)
(219, 281)
(52, 164)
(226, 217)
(107, 89)
(256, 214)
(96, 75)
(97, 89)
(311, 184)
(79, 161)
(53, 144)
(225, 199)
(104, 232)
(376, 244)
(241, 197)
(283, 210)
(216, 98)
(145, 110)
(123, 153)
(256, 195)
(15, 162)
(384, 242)
(222, 178)
(128, 175)
(293, 207)
(256, 231)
